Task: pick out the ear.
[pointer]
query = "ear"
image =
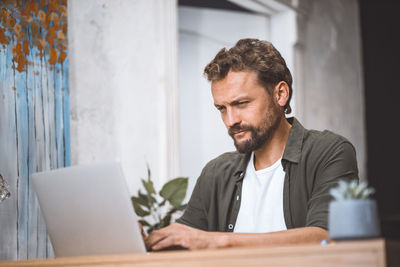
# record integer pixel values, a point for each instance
(281, 93)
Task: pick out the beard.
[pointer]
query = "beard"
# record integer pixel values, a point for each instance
(259, 135)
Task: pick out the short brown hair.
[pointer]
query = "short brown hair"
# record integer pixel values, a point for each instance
(252, 55)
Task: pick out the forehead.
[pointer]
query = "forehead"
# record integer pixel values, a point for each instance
(236, 84)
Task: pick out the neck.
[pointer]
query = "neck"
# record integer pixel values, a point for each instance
(273, 149)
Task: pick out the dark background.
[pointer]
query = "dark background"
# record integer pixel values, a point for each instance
(380, 33)
(380, 21)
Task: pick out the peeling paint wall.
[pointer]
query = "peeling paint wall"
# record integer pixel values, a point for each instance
(34, 116)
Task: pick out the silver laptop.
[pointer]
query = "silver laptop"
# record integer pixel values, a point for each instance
(88, 211)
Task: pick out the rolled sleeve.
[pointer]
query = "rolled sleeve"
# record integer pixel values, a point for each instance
(195, 213)
(338, 162)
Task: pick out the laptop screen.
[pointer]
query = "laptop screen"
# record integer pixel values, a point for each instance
(88, 211)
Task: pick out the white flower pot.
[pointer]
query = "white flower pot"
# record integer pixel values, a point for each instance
(353, 219)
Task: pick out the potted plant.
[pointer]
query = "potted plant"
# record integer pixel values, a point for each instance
(159, 210)
(353, 213)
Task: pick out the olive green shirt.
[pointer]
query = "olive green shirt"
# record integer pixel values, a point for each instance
(313, 162)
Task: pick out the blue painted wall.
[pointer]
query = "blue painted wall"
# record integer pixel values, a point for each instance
(34, 116)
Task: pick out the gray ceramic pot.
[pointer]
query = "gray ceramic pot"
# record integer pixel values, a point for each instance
(353, 219)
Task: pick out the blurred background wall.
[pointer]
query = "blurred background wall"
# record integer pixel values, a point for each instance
(331, 80)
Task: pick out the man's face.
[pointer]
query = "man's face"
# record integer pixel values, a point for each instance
(249, 113)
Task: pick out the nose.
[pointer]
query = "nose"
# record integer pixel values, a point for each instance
(231, 118)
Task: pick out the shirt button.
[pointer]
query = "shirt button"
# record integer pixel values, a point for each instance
(241, 174)
(230, 226)
(237, 197)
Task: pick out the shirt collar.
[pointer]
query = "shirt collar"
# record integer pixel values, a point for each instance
(242, 166)
(294, 143)
(292, 151)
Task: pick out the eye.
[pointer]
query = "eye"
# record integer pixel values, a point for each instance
(242, 103)
(220, 108)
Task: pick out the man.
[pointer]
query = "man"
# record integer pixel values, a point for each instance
(275, 189)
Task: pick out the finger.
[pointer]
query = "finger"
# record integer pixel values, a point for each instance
(144, 235)
(165, 243)
(155, 237)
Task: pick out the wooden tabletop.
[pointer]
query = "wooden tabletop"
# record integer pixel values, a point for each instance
(375, 252)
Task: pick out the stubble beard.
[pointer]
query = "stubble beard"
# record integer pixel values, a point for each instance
(259, 135)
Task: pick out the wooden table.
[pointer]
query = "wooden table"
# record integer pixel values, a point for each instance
(376, 252)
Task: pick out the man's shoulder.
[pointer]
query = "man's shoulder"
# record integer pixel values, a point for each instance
(324, 138)
(227, 159)
(326, 142)
(228, 156)
(303, 142)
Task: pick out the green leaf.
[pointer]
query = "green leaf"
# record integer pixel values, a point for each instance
(166, 220)
(148, 202)
(148, 198)
(149, 186)
(140, 201)
(175, 190)
(139, 210)
(144, 223)
(148, 171)
(163, 203)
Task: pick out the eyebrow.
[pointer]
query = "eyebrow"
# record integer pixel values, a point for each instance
(234, 102)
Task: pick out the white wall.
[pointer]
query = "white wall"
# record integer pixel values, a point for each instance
(284, 38)
(123, 85)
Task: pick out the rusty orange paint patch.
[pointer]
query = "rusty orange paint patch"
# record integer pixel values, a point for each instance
(21, 63)
(12, 21)
(35, 7)
(42, 3)
(50, 41)
(62, 57)
(14, 50)
(25, 47)
(53, 56)
(52, 32)
(3, 38)
(29, 24)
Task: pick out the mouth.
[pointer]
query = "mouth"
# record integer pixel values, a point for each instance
(239, 132)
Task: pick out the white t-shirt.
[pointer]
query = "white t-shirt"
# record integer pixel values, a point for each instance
(261, 207)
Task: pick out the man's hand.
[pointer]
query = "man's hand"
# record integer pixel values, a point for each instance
(182, 236)
(144, 235)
